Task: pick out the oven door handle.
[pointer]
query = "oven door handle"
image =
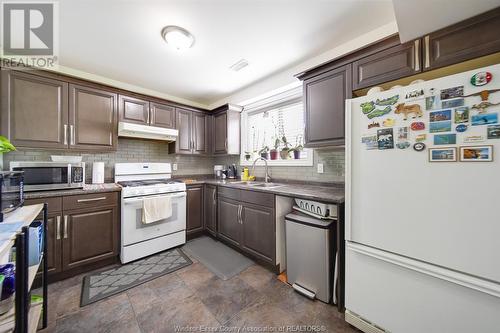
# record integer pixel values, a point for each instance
(133, 200)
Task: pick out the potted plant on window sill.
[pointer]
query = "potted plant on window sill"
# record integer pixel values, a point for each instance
(285, 151)
(297, 149)
(248, 156)
(5, 145)
(263, 152)
(274, 151)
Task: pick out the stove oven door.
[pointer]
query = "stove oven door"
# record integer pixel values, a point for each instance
(134, 231)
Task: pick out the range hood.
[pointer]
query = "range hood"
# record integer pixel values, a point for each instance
(147, 132)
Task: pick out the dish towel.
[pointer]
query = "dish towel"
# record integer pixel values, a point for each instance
(155, 209)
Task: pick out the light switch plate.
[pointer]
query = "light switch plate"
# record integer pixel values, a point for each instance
(320, 167)
(174, 166)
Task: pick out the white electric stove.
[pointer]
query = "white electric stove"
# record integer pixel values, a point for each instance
(146, 180)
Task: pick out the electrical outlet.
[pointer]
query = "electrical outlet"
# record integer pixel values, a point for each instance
(174, 166)
(320, 167)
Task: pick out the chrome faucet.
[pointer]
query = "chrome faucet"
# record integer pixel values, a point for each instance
(267, 177)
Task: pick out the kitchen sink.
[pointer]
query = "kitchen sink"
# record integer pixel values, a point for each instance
(256, 184)
(268, 185)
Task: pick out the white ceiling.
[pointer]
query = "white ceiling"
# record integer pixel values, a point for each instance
(121, 40)
(433, 15)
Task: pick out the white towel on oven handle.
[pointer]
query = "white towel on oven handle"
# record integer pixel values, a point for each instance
(155, 209)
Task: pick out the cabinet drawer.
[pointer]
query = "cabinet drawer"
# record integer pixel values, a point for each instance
(230, 193)
(54, 203)
(90, 200)
(258, 198)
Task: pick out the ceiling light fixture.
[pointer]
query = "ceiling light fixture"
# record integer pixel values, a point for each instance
(177, 37)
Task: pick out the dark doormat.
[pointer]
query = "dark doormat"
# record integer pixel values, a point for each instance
(110, 282)
(217, 257)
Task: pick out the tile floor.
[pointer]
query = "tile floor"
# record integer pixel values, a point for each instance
(192, 300)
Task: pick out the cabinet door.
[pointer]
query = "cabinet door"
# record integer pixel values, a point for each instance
(469, 39)
(259, 231)
(210, 209)
(220, 133)
(199, 133)
(93, 118)
(54, 231)
(34, 110)
(133, 110)
(194, 206)
(54, 243)
(391, 64)
(183, 145)
(229, 227)
(162, 115)
(325, 97)
(89, 236)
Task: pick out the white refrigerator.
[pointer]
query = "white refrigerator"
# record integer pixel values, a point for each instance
(422, 206)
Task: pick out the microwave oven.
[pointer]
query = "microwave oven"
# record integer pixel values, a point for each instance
(40, 176)
(11, 191)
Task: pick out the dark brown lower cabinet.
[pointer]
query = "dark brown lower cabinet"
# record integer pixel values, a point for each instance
(89, 236)
(83, 232)
(259, 231)
(194, 209)
(210, 209)
(54, 258)
(249, 226)
(229, 222)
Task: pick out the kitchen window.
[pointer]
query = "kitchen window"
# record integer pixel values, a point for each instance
(274, 129)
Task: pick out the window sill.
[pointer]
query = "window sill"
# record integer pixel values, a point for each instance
(277, 163)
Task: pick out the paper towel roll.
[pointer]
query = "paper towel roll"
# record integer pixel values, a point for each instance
(98, 172)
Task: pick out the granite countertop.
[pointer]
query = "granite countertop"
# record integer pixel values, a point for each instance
(332, 193)
(87, 189)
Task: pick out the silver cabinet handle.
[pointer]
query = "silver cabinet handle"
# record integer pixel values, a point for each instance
(91, 199)
(72, 134)
(58, 227)
(65, 226)
(214, 197)
(225, 144)
(417, 55)
(241, 215)
(427, 52)
(240, 208)
(65, 134)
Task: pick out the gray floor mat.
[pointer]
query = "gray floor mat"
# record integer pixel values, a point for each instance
(217, 257)
(111, 281)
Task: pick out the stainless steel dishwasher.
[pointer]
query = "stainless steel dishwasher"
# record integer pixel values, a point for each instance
(310, 255)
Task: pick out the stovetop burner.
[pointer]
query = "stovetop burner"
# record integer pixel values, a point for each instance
(148, 182)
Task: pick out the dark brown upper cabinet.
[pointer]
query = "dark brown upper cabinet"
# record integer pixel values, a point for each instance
(162, 115)
(183, 123)
(199, 133)
(192, 127)
(93, 118)
(469, 39)
(34, 110)
(226, 130)
(134, 110)
(387, 65)
(324, 102)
